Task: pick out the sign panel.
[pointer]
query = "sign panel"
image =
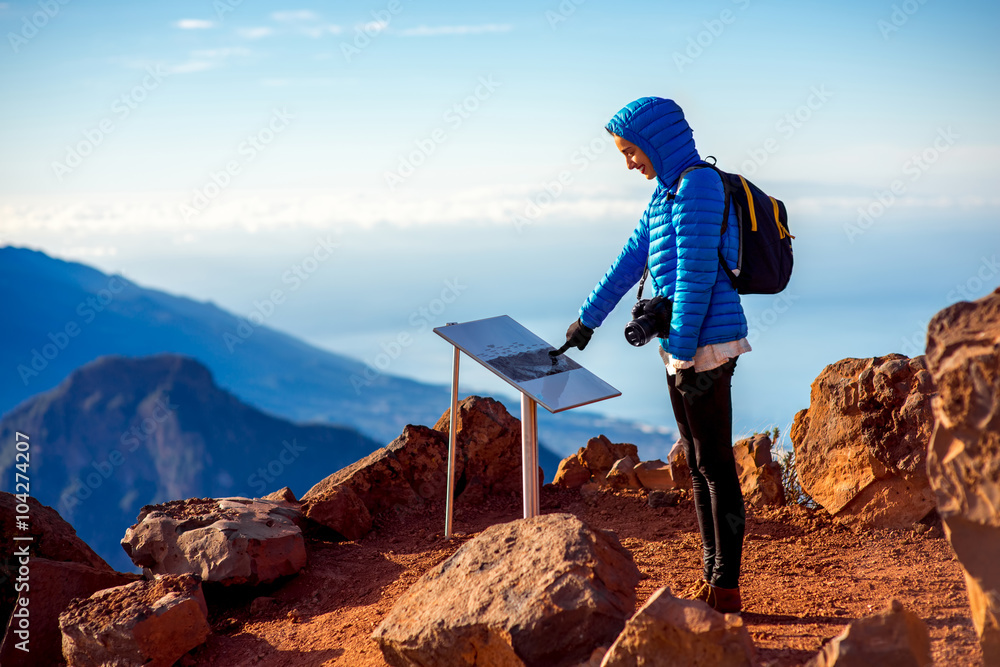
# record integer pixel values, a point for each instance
(522, 359)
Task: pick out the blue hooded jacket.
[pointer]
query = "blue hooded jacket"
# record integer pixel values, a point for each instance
(681, 238)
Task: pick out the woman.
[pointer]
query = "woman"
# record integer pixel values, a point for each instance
(680, 237)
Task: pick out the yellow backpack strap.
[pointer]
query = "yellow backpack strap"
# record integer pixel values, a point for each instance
(753, 212)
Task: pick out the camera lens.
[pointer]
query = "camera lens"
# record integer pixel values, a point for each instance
(638, 332)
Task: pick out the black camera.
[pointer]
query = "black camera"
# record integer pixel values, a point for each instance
(650, 319)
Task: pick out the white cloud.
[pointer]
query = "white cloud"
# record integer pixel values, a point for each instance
(433, 31)
(107, 219)
(307, 23)
(194, 24)
(254, 33)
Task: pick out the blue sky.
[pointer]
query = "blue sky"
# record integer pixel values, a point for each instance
(560, 70)
(201, 151)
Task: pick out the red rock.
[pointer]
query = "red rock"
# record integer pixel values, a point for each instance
(489, 439)
(53, 537)
(622, 474)
(53, 585)
(655, 475)
(544, 591)
(860, 448)
(413, 467)
(760, 475)
(600, 454)
(670, 630)
(283, 494)
(150, 623)
(680, 471)
(894, 637)
(231, 541)
(572, 473)
(963, 354)
(593, 463)
(341, 510)
(423, 454)
(379, 480)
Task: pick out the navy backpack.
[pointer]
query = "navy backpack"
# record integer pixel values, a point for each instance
(764, 260)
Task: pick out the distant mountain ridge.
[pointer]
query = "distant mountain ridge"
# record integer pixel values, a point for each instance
(69, 314)
(120, 433)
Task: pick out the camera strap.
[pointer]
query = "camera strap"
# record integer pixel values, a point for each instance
(645, 274)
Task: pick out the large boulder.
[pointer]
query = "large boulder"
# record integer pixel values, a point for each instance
(413, 468)
(148, 623)
(963, 354)
(227, 540)
(860, 446)
(53, 584)
(893, 637)
(489, 440)
(672, 631)
(760, 474)
(544, 591)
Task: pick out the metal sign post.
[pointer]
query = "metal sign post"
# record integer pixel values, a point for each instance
(522, 359)
(451, 445)
(529, 456)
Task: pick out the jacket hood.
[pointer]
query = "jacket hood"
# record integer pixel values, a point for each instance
(657, 126)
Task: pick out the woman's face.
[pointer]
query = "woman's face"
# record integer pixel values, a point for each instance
(635, 158)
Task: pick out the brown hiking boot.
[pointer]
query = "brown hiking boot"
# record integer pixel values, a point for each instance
(724, 600)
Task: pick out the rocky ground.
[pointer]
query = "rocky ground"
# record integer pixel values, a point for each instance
(805, 576)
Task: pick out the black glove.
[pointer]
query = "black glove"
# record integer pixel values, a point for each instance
(578, 335)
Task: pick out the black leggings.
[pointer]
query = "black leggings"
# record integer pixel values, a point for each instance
(704, 412)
